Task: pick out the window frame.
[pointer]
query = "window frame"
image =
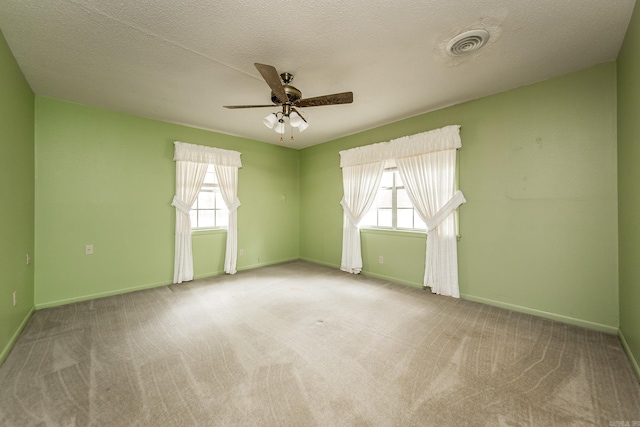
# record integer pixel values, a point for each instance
(213, 187)
(394, 206)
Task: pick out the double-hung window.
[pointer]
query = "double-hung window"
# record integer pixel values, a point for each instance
(392, 208)
(209, 210)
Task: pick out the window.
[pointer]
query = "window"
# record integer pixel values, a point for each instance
(209, 210)
(392, 208)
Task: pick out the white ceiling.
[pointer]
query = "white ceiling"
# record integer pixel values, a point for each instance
(180, 61)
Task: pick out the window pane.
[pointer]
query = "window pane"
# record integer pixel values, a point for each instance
(206, 218)
(403, 199)
(418, 222)
(371, 218)
(384, 218)
(222, 218)
(405, 218)
(210, 177)
(384, 198)
(209, 209)
(387, 179)
(220, 201)
(206, 200)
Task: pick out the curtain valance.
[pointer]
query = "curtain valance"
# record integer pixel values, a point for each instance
(204, 154)
(445, 138)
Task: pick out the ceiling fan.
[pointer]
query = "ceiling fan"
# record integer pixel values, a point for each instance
(288, 97)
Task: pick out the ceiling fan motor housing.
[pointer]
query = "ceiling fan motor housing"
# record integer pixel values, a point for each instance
(287, 96)
(292, 93)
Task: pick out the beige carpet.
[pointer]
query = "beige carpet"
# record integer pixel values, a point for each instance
(300, 345)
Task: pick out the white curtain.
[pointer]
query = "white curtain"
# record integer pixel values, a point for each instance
(360, 184)
(228, 180)
(430, 183)
(426, 163)
(189, 179)
(191, 166)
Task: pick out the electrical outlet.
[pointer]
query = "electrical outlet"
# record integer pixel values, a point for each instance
(28, 258)
(15, 298)
(381, 259)
(241, 252)
(88, 250)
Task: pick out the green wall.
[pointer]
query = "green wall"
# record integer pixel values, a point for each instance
(538, 169)
(107, 179)
(17, 193)
(629, 188)
(544, 169)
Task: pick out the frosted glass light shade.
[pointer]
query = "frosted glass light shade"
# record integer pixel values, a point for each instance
(303, 125)
(270, 120)
(295, 119)
(279, 127)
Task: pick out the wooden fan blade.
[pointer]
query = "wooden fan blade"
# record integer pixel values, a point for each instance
(270, 75)
(336, 98)
(249, 106)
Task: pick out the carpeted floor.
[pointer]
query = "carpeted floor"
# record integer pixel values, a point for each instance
(301, 345)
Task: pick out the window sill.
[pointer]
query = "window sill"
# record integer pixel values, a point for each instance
(205, 231)
(398, 233)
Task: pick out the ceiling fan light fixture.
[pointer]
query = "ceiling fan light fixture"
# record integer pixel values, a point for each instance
(270, 120)
(279, 127)
(303, 125)
(287, 97)
(295, 120)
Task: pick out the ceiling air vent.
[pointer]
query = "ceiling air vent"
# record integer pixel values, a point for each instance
(467, 42)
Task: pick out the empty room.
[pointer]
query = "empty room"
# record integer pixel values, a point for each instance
(319, 213)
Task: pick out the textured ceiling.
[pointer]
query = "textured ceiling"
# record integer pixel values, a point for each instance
(181, 61)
